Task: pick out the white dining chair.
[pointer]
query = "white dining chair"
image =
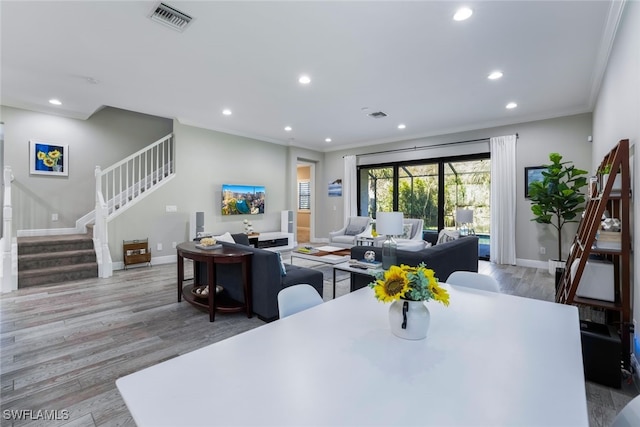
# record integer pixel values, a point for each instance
(297, 298)
(629, 416)
(474, 280)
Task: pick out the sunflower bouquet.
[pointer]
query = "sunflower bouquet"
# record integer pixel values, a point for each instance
(49, 159)
(409, 283)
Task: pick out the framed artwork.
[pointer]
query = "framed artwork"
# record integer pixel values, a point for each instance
(46, 158)
(335, 188)
(532, 174)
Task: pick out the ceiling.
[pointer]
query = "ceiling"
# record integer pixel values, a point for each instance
(410, 60)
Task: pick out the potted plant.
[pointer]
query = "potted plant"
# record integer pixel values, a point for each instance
(557, 199)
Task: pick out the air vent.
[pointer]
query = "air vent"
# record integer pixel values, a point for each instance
(378, 115)
(170, 17)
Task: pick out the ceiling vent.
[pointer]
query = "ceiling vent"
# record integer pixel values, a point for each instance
(171, 17)
(378, 115)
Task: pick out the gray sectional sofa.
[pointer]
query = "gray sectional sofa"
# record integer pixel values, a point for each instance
(443, 259)
(266, 278)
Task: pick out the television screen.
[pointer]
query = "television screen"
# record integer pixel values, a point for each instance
(242, 199)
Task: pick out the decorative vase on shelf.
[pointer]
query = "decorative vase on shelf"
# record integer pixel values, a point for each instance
(409, 319)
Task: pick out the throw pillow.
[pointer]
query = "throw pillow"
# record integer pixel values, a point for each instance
(226, 237)
(352, 230)
(241, 239)
(447, 236)
(283, 269)
(406, 231)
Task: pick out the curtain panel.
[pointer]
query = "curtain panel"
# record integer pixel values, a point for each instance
(503, 199)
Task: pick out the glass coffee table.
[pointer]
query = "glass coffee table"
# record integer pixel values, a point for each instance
(324, 254)
(353, 269)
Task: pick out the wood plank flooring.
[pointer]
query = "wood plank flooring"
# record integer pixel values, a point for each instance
(63, 346)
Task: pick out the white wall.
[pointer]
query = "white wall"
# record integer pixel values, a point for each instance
(566, 135)
(106, 137)
(205, 160)
(617, 116)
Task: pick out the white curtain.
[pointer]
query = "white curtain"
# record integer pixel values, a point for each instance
(349, 191)
(503, 199)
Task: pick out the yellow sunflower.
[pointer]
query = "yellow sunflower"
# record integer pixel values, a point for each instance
(393, 286)
(41, 155)
(439, 294)
(54, 154)
(48, 162)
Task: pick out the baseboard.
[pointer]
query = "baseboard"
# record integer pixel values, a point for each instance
(155, 260)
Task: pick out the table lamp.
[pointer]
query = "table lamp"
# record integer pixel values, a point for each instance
(464, 217)
(389, 224)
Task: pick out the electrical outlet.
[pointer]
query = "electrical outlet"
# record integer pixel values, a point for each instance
(171, 208)
(159, 246)
(543, 250)
(54, 217)
(174, 244)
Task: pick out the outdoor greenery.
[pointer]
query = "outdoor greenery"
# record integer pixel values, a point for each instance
(557, 200)
(467, 184)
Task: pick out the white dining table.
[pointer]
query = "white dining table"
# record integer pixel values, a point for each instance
(488, 360)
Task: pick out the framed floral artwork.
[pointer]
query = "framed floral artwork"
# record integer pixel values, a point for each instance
(47, 158)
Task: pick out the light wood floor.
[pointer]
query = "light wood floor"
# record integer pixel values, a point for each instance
(63, 346)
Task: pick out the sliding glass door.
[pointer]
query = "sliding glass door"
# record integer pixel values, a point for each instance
(439, 191)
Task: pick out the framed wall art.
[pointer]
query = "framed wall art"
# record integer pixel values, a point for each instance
(47, 158)
(532, 174)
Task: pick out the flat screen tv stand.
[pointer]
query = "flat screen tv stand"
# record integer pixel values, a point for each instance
(273, 241)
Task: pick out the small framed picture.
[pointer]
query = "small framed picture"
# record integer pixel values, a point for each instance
(532, 174)
(47, 158)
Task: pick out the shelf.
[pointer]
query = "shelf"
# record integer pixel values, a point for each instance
(224, 304)
(597, 303)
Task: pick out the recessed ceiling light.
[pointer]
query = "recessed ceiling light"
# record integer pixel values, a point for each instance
(304, 79)
(226, 112)
(462, 14)
(495, 75)
(511, 105)
(402, 126)
(55, 101)
(327, 140)
(287, 128)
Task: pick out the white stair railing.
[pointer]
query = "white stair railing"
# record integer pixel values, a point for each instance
(8, 244)
(123, 184)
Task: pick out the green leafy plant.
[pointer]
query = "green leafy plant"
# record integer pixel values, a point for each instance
(557, 199)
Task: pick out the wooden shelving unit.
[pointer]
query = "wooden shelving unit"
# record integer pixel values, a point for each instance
(601, 198)
(136, 252)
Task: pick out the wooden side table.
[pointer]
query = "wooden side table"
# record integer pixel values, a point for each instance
(212, 257)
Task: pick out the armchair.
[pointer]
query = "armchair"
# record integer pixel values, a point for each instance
(347, 235)
(411, 240)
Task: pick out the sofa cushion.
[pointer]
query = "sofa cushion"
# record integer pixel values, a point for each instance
(447, 236)
(406, 231)
(343, 239)
(241, 239)
(283, 269)
(226, 237)
(353, 229)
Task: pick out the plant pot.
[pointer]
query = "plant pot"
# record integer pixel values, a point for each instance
(553, 264)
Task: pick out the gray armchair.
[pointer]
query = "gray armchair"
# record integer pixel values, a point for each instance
(411, 240)
(346, 236)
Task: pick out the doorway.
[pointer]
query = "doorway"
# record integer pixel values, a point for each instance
(304, 202)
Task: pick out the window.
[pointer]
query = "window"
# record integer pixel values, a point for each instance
(431, 190)
(304, 195)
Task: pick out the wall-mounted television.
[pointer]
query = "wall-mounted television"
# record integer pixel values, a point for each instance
(242, 199)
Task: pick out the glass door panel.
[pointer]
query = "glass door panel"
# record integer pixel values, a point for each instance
(418, 193)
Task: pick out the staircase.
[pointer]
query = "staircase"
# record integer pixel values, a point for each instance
(75, 255)
(44, 260)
